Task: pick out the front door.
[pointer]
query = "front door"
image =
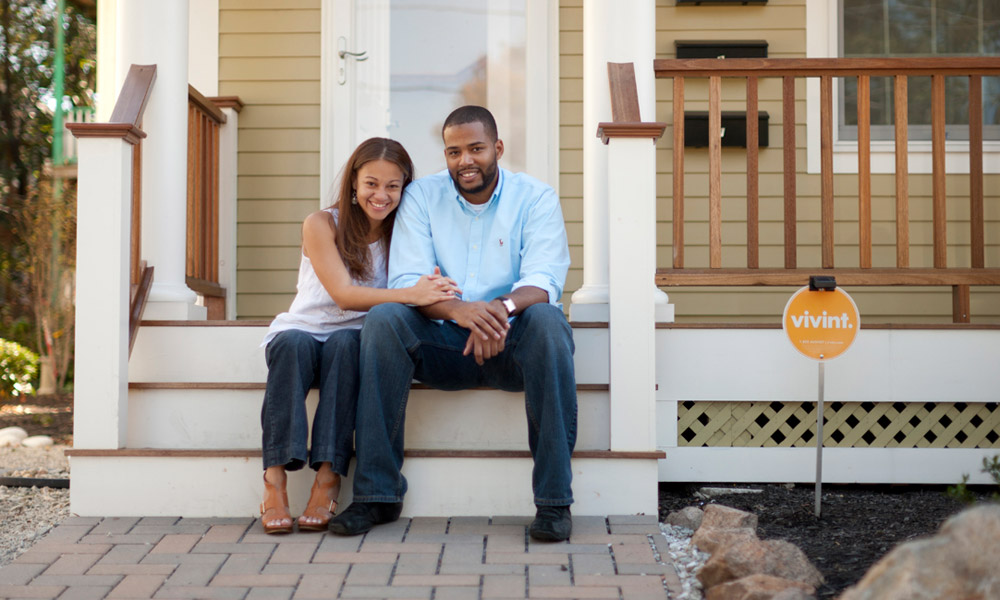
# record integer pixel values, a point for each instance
(396, 68)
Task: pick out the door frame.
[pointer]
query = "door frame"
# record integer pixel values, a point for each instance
(338, 110)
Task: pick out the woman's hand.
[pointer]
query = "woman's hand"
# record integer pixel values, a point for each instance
(434, 288)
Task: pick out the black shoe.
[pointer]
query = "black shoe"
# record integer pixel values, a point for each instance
(551, 524)
(360, 517)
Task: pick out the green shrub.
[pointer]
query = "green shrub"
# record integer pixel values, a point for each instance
(962, 492)
(18, 368)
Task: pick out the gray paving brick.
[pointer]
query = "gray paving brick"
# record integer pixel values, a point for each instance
(141, 529)
(260, 593)
(256, 580)
(469, 525)
(441, 538)
(86, 592)
(565, 548)
(354, 558)
(523, 558)
(641, 554)
(319, 586)
(254, 535)
(633, 520)
(512, 520)
(115, 525)
(31, 591)
(435, 580)
(103, 569)
(80, 521)
(338, 543)
(651, 529)
(482, 569)
(506, 542)
(72, 580)
(400, 547)
(427, 526)
(504, 586)
(310, 569)
(200, 592)
(233, 548)
(589, 524)
(157, 521)
(368, 574)
(210, 521)
(72, 564)
(47, 546)
(557, 591)
(126, 554)
(609, 538)
(195, 572)
(462, 554)
(414, 593)
(121, 538)
(137, 586)
(69, 533)
(548, 575)
(592, 564)
(182, 559)
(416, 564)
(456, 593)
(293, 553)
(390, 532)
(243, 564)
(35, 556)
(20, 574)
(180, 543)
(225, 534)
(658, 569)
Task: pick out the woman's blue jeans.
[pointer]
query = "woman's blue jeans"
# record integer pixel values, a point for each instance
(399, 344)
(296, 361)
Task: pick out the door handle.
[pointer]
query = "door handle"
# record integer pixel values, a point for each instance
(342, 54)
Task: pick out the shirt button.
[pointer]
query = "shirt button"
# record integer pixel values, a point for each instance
(475, 247)
(472, 274)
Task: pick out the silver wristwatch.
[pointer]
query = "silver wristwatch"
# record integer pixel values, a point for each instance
(508, 304)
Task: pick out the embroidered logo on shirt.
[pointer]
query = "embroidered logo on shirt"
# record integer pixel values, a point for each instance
(501, 242)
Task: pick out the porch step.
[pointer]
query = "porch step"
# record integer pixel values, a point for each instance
(227, 415)
(226, 483)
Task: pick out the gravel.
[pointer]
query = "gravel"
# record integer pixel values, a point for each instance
(29, 512)
(687, 560)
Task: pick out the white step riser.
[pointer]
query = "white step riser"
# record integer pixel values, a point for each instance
(472, 419)
(233, 354)
(231, 487)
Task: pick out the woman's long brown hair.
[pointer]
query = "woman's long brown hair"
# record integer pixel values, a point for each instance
(353, 227)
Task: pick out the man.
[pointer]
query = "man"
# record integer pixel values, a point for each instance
(501, 237)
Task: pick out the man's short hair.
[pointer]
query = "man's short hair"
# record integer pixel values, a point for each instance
(472, 114)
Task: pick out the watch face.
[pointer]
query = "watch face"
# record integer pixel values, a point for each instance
(509, 305)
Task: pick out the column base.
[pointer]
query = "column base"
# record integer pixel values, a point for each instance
(171, 302)
(663, 311)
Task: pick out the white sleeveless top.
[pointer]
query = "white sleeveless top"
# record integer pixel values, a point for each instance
(314, 311)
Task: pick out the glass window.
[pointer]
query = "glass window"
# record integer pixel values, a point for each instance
(876, 28)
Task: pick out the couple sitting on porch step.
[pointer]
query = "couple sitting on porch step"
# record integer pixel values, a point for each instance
(465, 295)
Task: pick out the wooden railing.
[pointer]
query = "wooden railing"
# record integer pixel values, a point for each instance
(126, 122)
(202, 269)
(751, 70)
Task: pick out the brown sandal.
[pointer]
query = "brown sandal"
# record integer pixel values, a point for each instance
(320, 506)
(274, 508)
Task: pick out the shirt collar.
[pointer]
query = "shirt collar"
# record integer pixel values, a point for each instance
(493, 198)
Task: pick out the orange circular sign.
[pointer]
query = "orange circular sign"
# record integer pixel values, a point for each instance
(822, 324)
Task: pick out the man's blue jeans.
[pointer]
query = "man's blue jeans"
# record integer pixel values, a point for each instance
(296, 361)
(399, 344)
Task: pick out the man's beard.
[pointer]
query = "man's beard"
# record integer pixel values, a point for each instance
(488, 178)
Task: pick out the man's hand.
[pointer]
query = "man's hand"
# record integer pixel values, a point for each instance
(487, 324)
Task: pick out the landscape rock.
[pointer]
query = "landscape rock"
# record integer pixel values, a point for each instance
(689, 518)
(712, 539)
(761, 587)
(37, 441)
(723, 517)
(12, 436)
(753, 556)
(960, 562)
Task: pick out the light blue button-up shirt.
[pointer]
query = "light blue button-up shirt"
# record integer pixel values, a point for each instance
(518, 240)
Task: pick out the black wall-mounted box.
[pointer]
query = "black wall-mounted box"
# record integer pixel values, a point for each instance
(734, 129)
(721, 48)
(730, 2)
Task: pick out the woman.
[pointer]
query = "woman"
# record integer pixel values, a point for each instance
(342, 274)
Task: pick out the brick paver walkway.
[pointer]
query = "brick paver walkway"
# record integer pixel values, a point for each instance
(425, 558)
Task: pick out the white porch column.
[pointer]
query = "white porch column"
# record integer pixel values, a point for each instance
(621, 32)
(104, 224)
(156, 32)
(228, 142)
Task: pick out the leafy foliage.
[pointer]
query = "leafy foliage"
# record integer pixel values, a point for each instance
(18, 369)
(961, 492)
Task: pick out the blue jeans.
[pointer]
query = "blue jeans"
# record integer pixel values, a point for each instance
(399, 344)
(296, 361)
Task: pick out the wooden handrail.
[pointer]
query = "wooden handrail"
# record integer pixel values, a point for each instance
(137, 303)
(974, 68)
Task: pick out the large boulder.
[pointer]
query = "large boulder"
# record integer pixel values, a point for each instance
(12, 436)
(688, 518)
(778, 558)
(962, 562)
(724, 517)
(723, 526)
(761, 587)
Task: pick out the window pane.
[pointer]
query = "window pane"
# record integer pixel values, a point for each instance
(864, 23)
(958, 27)
(910, 27)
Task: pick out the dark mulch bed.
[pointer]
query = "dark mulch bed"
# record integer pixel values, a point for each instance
(41, 415)
(859, 524)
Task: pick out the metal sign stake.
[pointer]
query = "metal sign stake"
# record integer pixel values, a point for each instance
(819, 439)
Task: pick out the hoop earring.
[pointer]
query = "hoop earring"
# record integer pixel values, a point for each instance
(354, 197)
